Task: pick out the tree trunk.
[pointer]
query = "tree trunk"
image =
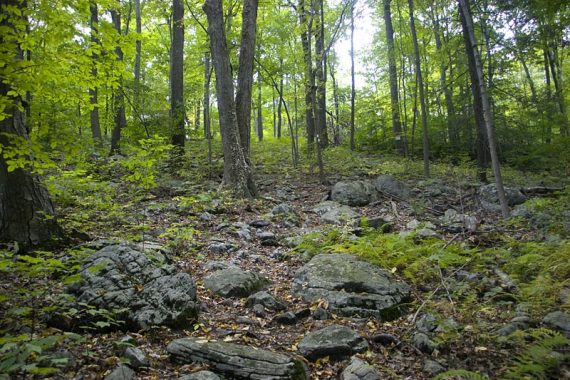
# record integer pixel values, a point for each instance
(119, 99)
(352, 76)
(336, 130)
(237, 173)
(280, 104)
(245, 73)
(259, 106)
(177, 112)
(396, 127)
(27, 215)
(420, 84)
(467, 24)
(207, 126)
(94, 114)
(138, 51)
(309, 77)
(320, 69)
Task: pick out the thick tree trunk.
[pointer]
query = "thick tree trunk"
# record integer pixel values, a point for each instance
(26, 213)
(119, 99)
(138, 51)
(245, 73)
(321, 77)
(280, 104)
(471, 45)
(207, 126)
(352, 77)
(259, 126)
(396, 126)
(237, 173)
(177, 112)
(337, 129)
(93, 91)
(309, 77)
(420, 84)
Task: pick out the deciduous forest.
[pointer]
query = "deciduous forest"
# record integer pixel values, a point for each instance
(284, 189)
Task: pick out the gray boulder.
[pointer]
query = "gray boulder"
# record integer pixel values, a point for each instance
(490, 198)
(121, 277)
(122, 372)
(456, 222)
(558, 320)
(137, 358)
(337, 214)
(267, 300)
(238, 361)
(201, 375)
(353, 193)
(335, 341)
(391, 186)
(351, 286)
(432, 368)
(359, 370)
(234, 282)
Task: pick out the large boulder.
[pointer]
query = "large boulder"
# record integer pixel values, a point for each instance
(490, 197)
(353, 193)
(335, 341)
(351, 286)
(359, 370)
(334, 213)
(234, 282)
(150, 293)
(391, 186)
(558, 320)
(238, 361)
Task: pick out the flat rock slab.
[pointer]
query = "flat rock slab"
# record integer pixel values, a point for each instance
(234, 282)
(351, 286)
(354, 193)
(238, 361)
(335, 341)
(120, 276)
(359, 370)
(201, 375)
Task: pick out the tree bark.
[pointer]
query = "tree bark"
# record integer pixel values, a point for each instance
(27, 215)
(309, 77)
(280, 104)
(138, 51)
(119, 99)
(207, 126)
(396, 126)
(420, 84)
(93, 91)
(237, 173)
(177, 112)
(352, 77)
(468, 31)
(320, 69)
(245, 73)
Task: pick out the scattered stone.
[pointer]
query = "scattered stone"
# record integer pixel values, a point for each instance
(213, 265)
(432, 368)
(218, 247)
(384, 222)
(201, 375)
(234, 282)
(206, 216)
(424, 233)
(558, 320)
(320, 314)
(456, 222)
(267, 300)
(288, 318)
(247, 321)
(427, 323)
(258, 310)
(303, 313)
(390, 185)
(267, 238)
(335, 341)
(293, 241)
(243, 234)
(121, 277)
(351, 287)
(359, 370)
(386, 339)
(282, 209)
(447, 325)
(490, 199)
(238, 361)
(122, 372)
(259, 223)
(137, 358)
(324, 207)
(353, 193)
(337, 214)
(423, 343)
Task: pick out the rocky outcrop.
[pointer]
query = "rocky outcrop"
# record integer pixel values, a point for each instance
(351, 287)
(234, 282)
(120, 276)
(389, 185)
(353, 193)
(238, 361)
(335, 341)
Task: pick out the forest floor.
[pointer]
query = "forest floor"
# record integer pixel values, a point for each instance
(521, 266)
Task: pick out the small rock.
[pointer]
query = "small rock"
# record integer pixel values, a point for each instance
(259, 310)
(320, 314)
(423, 343)
(220, 247)
(424, 233)
(244, 234)
(359, 370)
(282, 208)
(335, 341)
(247, 321)
(266, 299)
(122, 372)
(215, 265)
(303, 313)
(137, 358)
(383, 222)
(293, 241)
(558, 320)
(206, 216)
(267, 238)
(200, 375)
(288, 318)
(427, 323)
(386, 339)
(234, 282)
(259, 223)
(432, 368)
